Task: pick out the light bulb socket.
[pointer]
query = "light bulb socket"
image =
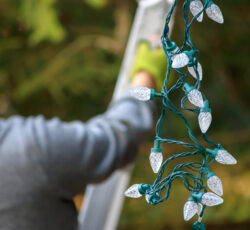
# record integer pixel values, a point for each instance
(212, 152)
(153, 94)
(208, 173)
(187, 88)
(196, 197)
(210, 2)
(192, 61)
(171, 46)
(143, 188)
(205, 107)
(153, 199)
(156, 150)
(190, 54)
(198, 226)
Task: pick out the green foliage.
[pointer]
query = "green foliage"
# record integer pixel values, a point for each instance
(42, 19)
(55, 79)
(97, 3)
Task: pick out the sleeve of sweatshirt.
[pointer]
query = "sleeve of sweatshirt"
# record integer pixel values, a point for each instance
(75, 153)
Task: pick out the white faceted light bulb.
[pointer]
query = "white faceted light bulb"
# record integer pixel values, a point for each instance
(192, 72)
(171, 47)
(133, 191)
(195, 97)
(155, 159)
(214, 12)
(210, 199)
(190, 209)
(196, 7)
(141, 93)
(225, 158)
(174, 51)
(205, 119)
(214, 183)
(180, 60)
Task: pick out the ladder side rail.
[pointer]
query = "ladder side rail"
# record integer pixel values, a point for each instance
(103, 202)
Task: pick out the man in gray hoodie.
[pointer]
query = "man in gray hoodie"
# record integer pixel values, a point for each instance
(45, 163)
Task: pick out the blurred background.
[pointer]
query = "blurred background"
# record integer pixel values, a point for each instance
(49, 54)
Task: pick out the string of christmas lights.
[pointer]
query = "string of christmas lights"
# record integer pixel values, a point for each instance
(192, 174)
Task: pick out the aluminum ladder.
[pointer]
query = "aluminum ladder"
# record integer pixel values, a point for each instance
(103, 202)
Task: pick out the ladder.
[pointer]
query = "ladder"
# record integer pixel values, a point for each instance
(103, 202)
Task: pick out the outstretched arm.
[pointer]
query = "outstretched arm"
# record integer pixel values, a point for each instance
(70, 155)
(87, 153)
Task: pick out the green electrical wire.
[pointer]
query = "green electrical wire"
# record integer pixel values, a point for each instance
(190, 173)
(167, 104)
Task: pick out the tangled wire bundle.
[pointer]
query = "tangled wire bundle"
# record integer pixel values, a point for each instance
(192, 174)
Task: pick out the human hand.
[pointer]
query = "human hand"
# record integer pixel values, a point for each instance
(149, 62)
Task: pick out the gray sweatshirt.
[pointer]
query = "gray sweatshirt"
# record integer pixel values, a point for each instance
(45, 163)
